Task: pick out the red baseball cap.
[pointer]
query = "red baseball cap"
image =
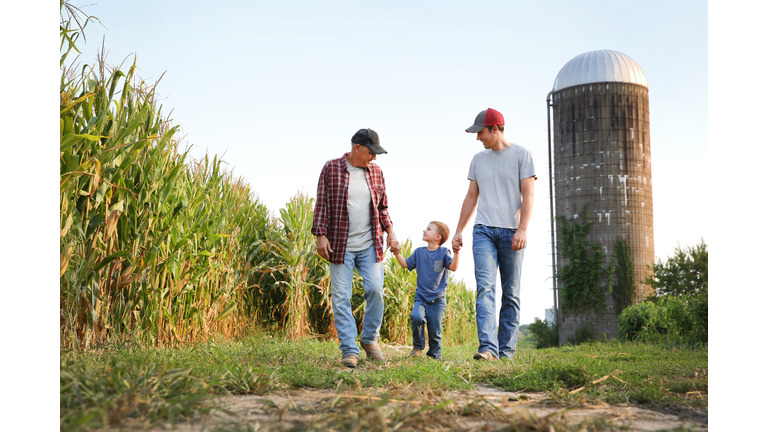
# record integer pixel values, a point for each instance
(489, 117)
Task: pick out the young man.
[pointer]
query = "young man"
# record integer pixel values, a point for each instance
(432, 264)
(350, 215)
(501, 188)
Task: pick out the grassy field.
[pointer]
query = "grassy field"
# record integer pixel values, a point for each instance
(113, 384)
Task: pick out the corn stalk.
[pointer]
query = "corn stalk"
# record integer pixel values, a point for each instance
(151, 245)
(301, 273)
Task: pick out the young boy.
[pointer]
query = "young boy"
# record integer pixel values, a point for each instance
(432, 264)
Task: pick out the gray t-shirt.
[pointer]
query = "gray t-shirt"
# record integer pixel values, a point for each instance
(359, 210)
(498, 175)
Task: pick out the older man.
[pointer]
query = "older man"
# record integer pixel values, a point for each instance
(350, 217)
(501, 188)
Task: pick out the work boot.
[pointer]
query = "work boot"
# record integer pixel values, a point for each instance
(373, 351)
(350, 361)
(415, 352)
(486, 355)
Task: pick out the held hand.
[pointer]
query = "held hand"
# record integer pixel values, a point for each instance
(457, 242)
(519, 241)
(393, 244)
(324, 247)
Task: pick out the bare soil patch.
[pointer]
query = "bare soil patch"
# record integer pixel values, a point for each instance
(482, 409)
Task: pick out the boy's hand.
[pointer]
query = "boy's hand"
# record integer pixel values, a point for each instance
(392, 242)
(457, 242)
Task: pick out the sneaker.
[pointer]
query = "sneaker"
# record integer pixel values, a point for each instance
(487, 355)
(415, 352)
(350, 361)
(373, 351)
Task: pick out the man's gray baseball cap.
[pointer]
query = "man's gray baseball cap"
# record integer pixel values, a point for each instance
(370, 139)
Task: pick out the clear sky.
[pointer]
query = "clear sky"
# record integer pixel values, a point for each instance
(278, 88)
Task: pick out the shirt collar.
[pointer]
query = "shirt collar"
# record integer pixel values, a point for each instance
(343, 163)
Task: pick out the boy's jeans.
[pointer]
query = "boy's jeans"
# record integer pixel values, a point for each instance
(432, 315)
(492, 249)
(341, 292)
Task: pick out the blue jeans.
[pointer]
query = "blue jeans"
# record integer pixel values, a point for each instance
(492, 249)
(432, 315)
(341, 292)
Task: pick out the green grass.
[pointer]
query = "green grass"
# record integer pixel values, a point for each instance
(640, 373)
(112, 384)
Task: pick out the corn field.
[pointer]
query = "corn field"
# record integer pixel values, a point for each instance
(164, 249)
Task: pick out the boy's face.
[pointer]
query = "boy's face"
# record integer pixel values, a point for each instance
(431, 235)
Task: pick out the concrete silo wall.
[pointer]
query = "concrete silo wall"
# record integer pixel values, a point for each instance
(602, 157)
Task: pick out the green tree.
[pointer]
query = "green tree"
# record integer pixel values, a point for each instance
(684, 273)
(546, 335)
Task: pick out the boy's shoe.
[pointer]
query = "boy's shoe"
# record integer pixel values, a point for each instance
(350, 361)
(487, 355)
(415, 352)
(373, 351)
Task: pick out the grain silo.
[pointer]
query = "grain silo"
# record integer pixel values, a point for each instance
(602, 158)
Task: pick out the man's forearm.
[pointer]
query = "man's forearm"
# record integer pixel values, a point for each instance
(526, 207)
(467, 209)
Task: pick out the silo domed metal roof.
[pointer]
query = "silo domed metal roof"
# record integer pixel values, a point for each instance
(599, 66)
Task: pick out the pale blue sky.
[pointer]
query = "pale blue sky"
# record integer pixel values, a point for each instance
(280, 87)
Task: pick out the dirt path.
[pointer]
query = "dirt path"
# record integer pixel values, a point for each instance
(482, 409)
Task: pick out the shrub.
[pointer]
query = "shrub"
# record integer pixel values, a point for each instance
(639, 319)
(699, 312)
(584, 333)
(680, 312)
(546, 335)
(679, 320)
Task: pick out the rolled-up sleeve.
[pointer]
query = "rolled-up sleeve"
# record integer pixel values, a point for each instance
(383, 209)
(320, 219)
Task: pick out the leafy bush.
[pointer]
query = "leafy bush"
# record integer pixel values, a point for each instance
(699, 312)
(641, 319)
(546, 335)
(680, 313)
(584, 333)
(675, 319)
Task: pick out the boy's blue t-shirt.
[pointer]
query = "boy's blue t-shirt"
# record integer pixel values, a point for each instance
(431, 271)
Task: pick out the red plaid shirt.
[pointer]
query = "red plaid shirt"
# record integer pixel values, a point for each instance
(331, 218)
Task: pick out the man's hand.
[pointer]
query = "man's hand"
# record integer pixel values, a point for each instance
(324, 247)
(458, 241)
(519, 240)
(392, 242)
